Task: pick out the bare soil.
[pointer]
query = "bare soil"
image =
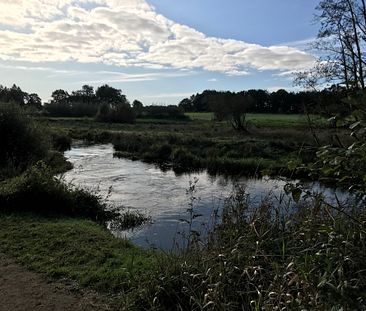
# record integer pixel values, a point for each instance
(24, 290)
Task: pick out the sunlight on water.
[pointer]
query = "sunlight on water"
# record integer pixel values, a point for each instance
(161, 195)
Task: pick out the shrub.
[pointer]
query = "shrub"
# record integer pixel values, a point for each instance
(60, 141)
(38, 191)
(22, 142)
(121, 113)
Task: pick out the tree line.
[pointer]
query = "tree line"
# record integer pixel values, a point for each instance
(109, 104)
(15, 95)
(106, 104)
(325, 102)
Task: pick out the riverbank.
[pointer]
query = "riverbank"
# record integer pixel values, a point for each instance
(267, 254)
(259, 256)
(273, 145)
(74, 250)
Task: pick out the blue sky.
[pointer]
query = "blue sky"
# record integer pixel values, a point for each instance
(157, 51)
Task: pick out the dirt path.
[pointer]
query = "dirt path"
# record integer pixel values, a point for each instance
(23, 290)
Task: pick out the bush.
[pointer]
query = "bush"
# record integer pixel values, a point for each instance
(121, 113)
(22, 142)
(164, 112)
(60, 141)
(38, 191)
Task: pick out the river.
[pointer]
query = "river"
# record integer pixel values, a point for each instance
(162, 195)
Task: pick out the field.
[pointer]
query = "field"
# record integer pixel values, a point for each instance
(261, 119)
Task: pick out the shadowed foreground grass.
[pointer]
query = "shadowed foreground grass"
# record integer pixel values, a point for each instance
(77, 249)
(259, 257)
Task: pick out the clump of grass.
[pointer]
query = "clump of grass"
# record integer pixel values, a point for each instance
(128, 220)
(38, 191)
(60, 140)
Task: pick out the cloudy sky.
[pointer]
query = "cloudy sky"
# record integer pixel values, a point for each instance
(157, 51)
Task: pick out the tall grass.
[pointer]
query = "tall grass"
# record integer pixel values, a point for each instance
(267, 256)
(184, 153)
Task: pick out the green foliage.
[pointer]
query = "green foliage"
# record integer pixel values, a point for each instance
(60, 141)
(22, 141)
(121, 113)
(163, 112)
(188, 153)
(38, 191)
(345, 165)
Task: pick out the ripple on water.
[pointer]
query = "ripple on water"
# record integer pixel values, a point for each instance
(156, 193)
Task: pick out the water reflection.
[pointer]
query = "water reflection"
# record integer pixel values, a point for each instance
(162, 195)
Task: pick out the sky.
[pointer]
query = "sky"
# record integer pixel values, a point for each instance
(156, 51)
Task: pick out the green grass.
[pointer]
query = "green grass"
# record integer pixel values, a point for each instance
(283, 120)
(77, 249)
(266, 119)
(200, 116)
(202, 143)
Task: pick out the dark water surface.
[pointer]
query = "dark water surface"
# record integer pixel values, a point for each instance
(162, 195)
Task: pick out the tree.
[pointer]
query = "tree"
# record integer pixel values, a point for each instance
(186, 104)
(59, 96)
(33, 100)
(261, 100)
(232, 107)
(16, 96)
(137, 107)
(114, 105)
(341, 38)
(110, 95)
(239, 104)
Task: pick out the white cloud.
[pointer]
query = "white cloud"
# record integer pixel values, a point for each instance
(132, 77)
(127, 33)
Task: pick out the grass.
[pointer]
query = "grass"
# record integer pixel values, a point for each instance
(262, 257)
(272, 142)
(77, 249)
(268, 256)
(241, 156)
(283, 120)
(259, 257)
(266, 119)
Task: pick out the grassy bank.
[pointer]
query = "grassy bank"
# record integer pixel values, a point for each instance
(77, 249)
(240, 156)
(259, 257)
(269, 146)
(266, 256)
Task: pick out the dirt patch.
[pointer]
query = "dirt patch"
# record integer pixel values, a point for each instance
(23, 290)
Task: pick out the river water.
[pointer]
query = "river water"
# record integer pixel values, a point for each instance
(162, 195)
